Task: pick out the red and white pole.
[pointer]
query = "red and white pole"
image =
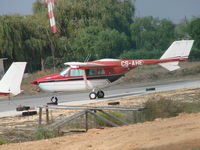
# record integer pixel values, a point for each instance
(50, 5)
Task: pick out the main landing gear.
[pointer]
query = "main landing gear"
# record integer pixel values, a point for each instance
(54, 101)
(94, 95)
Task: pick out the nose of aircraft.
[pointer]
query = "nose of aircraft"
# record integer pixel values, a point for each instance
(45, 78)
(34, 82)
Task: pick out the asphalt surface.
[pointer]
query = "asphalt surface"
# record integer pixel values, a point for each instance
(8, 107)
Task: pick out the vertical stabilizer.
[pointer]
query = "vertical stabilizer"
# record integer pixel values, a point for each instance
(11, 81)
(178, 51)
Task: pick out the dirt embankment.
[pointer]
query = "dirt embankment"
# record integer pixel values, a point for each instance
(179, 132)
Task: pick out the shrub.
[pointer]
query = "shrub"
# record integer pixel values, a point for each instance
(44, 133)
(2, 141)
(162, 108)
(192, 107)
(113, 113)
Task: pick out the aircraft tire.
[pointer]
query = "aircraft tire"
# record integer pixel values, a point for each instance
(54, 100)
(92, 95)
(100, 94)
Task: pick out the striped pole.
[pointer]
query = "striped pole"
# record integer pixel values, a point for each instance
(50, 5)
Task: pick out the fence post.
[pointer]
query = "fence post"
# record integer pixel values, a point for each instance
(47, 115)
(40, 115)
(86, 120)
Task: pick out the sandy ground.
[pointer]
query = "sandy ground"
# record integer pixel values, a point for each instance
(180, 132)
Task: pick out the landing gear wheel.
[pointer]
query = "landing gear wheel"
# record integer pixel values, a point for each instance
(92, 95)
(100, 94)
(54, 100)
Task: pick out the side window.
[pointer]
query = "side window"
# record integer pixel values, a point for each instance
(91, 71)
(76, 72)
(101, 71)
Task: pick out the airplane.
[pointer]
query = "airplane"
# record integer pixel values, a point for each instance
(11, 81)
(95, 75)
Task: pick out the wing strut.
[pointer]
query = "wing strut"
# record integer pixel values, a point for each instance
(85, 79)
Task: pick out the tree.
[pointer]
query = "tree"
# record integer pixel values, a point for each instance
(39, 7)
(100, 43)
(12, 35)
(24, 39)
(195, 31)
(182, 29)
(74, 15)
(150, 33)
(195, 34)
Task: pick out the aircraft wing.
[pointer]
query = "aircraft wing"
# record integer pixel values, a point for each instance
(82, 64)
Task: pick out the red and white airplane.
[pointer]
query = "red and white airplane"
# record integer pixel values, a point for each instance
(11, 81)
(98, 74)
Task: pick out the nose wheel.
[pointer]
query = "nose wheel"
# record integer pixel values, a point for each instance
(94, 95)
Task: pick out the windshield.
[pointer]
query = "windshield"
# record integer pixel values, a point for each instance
(64, 72)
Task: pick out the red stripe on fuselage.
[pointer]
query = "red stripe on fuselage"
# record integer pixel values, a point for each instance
(4, 94)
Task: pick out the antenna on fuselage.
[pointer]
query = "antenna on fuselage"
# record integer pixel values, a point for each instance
(87, 58)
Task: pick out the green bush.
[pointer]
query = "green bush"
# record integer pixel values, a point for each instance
(2, 141)
(162, 108)
(192, 107)
(44, 133)
(113, 113)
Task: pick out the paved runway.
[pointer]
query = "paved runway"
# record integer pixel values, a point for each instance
(82, 97)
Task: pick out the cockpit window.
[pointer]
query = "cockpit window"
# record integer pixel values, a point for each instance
(76, 72)
(64, 72)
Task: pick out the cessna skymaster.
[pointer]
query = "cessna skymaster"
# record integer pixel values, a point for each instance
(98, 74)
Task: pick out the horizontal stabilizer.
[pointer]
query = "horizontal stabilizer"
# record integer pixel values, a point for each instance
(171, 66)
